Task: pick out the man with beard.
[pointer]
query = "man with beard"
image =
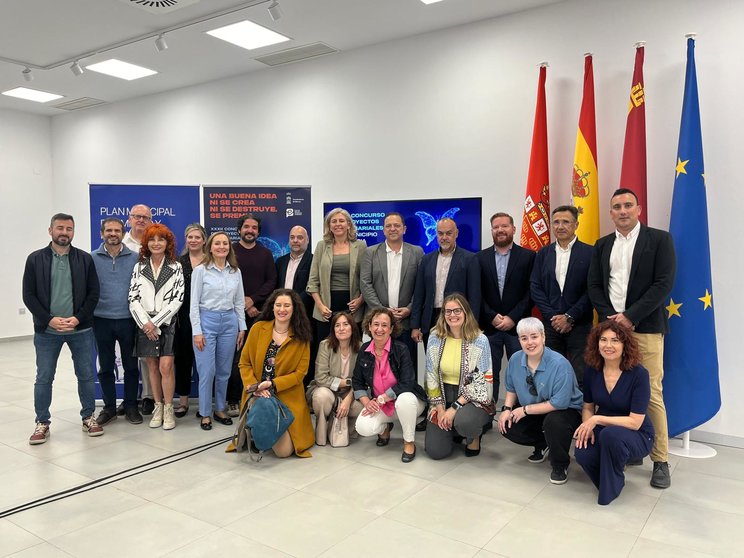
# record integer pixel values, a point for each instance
(60, 288)
(112, 321)
(505, 285)
(257, 267)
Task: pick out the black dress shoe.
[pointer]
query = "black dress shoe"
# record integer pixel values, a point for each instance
(206, 424)
(383, 441)
(473, 452)
(421, 426)
(227, 421)
(120, 410)
(408, 457)
(148, 406)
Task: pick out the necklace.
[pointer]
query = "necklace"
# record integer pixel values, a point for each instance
(281, 332)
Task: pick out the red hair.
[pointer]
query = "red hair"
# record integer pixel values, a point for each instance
(631, 353)
(158, 229)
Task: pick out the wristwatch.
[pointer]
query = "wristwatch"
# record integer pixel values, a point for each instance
(505, 408)
(456, 405)
(570, 319)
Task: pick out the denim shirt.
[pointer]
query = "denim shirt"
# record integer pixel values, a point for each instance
(217, 290)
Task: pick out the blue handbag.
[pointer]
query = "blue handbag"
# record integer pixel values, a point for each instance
(268, 419)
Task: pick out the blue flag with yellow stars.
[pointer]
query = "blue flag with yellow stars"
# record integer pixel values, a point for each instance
(691, 391)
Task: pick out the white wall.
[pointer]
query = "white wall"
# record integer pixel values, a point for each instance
(444, 114)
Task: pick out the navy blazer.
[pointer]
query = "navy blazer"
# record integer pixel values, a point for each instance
(463, 278)
(300, 278)
(651, 279)
(515, 302)
(546, 293)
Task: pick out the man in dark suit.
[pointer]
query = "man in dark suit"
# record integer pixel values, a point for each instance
(558, 289)
(388, 276)
(505, 270)
(292, 272)
(630, 279)
(448, 270)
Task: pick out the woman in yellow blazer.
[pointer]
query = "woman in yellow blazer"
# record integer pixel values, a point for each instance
(277, 354)
(334, 273)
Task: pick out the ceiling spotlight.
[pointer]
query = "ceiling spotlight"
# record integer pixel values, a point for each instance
(76, 69)
(160, 44)
(275, 10)
(27, 75)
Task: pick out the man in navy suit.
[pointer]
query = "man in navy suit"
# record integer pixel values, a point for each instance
(505, 270)
(630, 279)
(448, 270)
(558, 289)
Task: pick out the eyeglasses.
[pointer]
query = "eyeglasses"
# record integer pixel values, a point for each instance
(531, 383)
(451, 311)
(140, 217)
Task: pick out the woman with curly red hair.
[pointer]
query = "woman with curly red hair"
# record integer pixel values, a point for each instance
(155, 295)
(615, 426)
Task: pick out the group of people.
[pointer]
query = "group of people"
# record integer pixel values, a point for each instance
(244, 319)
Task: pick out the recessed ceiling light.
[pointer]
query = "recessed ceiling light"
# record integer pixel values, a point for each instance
(123, 70)
(32, 94)
(430, 1)
(247, 34)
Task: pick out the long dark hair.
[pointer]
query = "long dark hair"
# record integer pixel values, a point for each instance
(356, 337)
(298, 323)
(631, 353)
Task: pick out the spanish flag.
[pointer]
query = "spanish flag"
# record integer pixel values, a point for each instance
(633, 171)
(585, 183)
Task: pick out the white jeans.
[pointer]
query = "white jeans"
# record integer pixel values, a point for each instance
(408, 408)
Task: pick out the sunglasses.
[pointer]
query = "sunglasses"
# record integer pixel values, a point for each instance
(531, 383)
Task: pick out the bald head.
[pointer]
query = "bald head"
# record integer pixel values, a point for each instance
(140, 217)
(298, 240)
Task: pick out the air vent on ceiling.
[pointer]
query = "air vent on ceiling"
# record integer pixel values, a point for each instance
(296, 54)
(81, 103)
(160, 6)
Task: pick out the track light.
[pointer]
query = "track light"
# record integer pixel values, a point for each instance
(160, 44)
(275, 11)
(27, 75)
(76, 69)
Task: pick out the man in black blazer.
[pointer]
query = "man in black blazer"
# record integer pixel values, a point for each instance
(558, 289)
(505, 270)
(448, 270)
(630, 278)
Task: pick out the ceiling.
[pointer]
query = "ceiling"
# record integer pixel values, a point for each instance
(48, 35)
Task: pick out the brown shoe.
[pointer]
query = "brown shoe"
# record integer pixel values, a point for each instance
(92, 427)
(40, 435)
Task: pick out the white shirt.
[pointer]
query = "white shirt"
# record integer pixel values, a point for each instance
(132, 244)
(562, 257)
(394, 266)
(621, 258)
(292, 265)
(443, 266)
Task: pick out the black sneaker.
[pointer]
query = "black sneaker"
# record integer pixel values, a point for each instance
(148, 405)
(559, 475)
(133, 415)
(105, 416)
(539, 455)
(634, 462)
(661, 478)
(120, 409)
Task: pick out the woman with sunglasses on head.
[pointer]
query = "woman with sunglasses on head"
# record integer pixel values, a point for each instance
(459, 380)
(616, 427)
(543, 403)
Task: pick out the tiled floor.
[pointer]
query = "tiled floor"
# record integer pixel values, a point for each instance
(356, 501)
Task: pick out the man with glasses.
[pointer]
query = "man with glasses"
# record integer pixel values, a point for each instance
(543, 403)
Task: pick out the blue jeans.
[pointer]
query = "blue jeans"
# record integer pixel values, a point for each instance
(48, 347)
(214, 363)
(107, 332)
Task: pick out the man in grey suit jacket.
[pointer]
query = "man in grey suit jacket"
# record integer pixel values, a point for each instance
(388, 276)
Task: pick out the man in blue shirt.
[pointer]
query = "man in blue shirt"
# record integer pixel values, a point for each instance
(543, 402)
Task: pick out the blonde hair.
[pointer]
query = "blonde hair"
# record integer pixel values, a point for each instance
(470, 329)
(328, 235)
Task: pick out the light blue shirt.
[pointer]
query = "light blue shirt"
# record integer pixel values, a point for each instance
(554, 379)
(217, 290)
(502, 262)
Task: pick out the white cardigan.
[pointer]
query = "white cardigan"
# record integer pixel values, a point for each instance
(152, 300)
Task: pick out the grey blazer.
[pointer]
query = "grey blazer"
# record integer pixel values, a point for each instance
(320, 274)
(374, 277)
(328, 367)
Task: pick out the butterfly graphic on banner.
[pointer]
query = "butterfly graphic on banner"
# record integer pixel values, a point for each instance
(430, 223)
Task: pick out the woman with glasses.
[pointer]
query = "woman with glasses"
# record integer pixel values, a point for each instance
(459, 380)
(615, 427)
(543, 403)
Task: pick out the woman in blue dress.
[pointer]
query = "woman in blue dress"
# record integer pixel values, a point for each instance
(615, 427)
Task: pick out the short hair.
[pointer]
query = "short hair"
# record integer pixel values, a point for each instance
(395, 328)
(298, 323)
(111, 220)
(232, 259)
(243, 218)
(61, 217)
(570, 208)
(631, 352)
(530, 325)
(356, 336)
(621, 191)
(158, 229)
(501, 214)
(470, 329)
(393, 214)
(328, 235)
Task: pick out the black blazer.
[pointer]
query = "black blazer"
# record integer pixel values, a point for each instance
(546, 293)
(400, 364)
(300, 279)
(651, 280)
(516, 302)
(463, 278)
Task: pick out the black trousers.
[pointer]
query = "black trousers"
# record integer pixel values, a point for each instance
(469, 422)
(184, 359)
(554, 429)
(571, 345)
(235, 383)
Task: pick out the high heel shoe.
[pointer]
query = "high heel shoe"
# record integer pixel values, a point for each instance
(473, 452)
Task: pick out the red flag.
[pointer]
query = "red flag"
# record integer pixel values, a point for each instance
(535, 230)
(633, 173)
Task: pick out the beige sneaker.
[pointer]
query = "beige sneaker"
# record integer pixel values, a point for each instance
(169, 417)
(91, 426)
(157, 416)
(40, 435)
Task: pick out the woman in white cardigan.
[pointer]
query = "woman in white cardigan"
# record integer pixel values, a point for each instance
(155, 295)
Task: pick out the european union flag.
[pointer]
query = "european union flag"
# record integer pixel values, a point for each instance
(691, 391)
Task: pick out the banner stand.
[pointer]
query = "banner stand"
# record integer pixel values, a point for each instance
(685, 448)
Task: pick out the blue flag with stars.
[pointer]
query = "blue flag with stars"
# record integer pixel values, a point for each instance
(691, 391)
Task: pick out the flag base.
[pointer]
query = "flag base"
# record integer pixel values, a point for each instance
(683, 447)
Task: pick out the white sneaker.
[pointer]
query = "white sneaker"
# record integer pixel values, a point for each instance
(157, 416)
(169, 417)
